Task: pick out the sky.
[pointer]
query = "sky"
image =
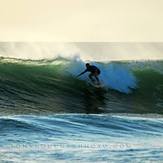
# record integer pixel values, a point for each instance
(95, 29)
(81, 20)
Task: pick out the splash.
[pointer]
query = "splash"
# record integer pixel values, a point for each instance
(86, 51)
(114, 76)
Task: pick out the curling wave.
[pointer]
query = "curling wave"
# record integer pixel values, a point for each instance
(51, 86)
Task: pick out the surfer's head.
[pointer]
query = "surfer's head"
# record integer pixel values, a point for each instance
(87, 65)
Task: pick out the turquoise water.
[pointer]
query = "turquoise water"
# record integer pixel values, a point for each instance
(47, 114)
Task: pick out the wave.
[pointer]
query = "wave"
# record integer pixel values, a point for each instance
(96, 135)
(115, 122)
(48, 86)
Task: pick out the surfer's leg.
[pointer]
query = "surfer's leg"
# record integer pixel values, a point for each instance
(96, 76)
(91, 77)
(97, 79)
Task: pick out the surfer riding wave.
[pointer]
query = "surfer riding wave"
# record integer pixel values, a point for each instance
(94, 73)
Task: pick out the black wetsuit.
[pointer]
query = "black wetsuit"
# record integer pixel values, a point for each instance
(94, 73)
(92, 69)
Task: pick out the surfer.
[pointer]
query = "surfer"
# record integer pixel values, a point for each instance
(94, 72)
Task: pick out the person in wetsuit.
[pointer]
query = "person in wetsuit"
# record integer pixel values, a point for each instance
(94, 72)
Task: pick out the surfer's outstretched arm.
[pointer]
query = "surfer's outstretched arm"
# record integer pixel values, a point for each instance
(82, 73)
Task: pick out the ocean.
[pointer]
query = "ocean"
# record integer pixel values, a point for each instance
(47, 114)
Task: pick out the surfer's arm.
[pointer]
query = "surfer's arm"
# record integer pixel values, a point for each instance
(82, 73)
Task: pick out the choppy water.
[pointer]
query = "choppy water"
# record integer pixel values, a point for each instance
(49, 115)
(81, 138)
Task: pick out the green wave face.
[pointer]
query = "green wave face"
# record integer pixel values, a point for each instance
(51, 86)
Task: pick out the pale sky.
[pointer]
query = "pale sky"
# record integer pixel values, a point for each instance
(81, 20)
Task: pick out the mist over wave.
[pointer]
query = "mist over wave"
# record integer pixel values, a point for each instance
(92, 51)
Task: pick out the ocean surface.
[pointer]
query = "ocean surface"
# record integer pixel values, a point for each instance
(47, 114)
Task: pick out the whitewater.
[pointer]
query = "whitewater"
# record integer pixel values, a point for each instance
(48, 114)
